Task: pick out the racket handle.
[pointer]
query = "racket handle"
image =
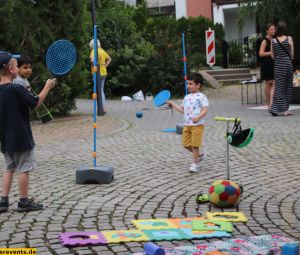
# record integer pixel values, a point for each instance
(218, 118)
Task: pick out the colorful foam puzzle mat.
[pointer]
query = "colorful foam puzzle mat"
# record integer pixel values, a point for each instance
(147, 230)
(226, 216)
(74, 239)
(122, 236)
(262, 245)
(153, 224)
(206, 225)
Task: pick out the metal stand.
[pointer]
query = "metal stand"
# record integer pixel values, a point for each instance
(98, 173)
(42, 112)
(179, 126)
(254, 83)
(227, 172)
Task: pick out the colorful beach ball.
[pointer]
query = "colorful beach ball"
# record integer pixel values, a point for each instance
(224, 193)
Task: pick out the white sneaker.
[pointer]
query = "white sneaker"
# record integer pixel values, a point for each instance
(194, 168)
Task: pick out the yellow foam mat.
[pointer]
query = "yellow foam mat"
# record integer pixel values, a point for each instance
(227, 216)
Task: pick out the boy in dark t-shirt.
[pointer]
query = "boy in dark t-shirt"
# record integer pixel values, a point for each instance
(17, 143)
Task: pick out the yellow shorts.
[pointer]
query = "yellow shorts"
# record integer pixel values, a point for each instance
(192, 136)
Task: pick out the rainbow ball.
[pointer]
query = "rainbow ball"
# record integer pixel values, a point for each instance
(224, 193)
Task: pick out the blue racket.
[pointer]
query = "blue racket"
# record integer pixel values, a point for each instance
(161, 98)
(60, 57)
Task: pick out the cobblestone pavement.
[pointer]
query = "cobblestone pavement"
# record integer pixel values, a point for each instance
(151, 174)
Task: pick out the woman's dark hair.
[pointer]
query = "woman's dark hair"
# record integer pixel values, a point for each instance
(24, 59)
(269, 25)
(281, 28)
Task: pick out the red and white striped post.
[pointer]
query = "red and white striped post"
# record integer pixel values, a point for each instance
(210, 47)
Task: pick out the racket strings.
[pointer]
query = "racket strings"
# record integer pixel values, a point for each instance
(61, 57)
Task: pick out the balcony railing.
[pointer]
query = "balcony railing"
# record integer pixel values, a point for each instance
(222, 2)
(158, 3)
(163, 10)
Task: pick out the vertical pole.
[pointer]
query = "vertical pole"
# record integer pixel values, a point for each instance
(184, 63)
(98, 84)
(93, 10)
(227, 152)
(95, 94)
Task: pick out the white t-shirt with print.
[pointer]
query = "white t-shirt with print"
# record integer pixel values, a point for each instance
(193, 104)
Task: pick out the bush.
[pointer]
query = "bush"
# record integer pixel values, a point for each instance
(25, 30)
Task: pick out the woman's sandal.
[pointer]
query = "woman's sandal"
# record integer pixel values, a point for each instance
(274, 114)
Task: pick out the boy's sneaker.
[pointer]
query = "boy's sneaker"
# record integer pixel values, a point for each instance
(194, 168)
(3, 206)
(30, 205)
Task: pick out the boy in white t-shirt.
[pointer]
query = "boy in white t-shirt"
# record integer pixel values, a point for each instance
(194, 107)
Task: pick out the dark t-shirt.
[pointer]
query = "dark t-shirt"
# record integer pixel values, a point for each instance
(15, 129)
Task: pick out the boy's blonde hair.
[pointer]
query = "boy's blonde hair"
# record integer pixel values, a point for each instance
(4, 69)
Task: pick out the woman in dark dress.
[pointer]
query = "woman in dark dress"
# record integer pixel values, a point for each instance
(267, 63)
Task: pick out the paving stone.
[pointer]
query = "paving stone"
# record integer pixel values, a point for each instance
(156, 183)
(3, 244)
(16, 244)
(118, 248)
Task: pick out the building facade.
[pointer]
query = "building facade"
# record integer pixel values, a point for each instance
(225, 12)
(194, 8)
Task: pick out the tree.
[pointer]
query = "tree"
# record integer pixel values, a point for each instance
(29, 27)
(272, 11)
(130, 52)
(166, 66)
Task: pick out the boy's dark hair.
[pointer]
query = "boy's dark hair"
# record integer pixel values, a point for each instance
(196, 77)
(24, 59)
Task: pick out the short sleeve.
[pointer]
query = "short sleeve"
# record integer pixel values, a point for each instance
(26, 97)
(104, 54)
(183, 101)
(204, 101)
